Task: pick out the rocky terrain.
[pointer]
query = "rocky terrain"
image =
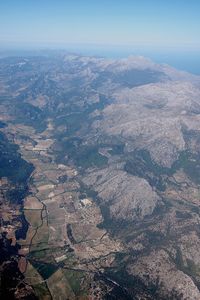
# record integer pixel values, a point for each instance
(100, 179)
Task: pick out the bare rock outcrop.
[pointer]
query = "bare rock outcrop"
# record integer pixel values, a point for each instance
(163, 274)
(129, 197)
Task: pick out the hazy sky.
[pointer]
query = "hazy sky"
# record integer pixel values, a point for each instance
(162, 23)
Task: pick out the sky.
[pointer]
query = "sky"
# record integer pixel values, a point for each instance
(147, 23)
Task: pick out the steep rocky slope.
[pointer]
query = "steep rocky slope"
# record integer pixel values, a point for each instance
(111, 208)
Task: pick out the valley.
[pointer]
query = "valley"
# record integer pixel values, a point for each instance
(99, 179)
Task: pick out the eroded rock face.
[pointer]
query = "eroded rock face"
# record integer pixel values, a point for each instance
(189, 246)
(152, 116)
(128, 197)
(163, 274)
